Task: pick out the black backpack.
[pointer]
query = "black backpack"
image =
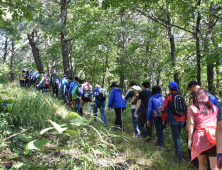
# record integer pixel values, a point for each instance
(179, 107)
(101, 94)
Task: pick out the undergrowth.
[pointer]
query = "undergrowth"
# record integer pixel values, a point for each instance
(60, 141)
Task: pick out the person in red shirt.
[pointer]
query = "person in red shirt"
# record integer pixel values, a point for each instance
(176, 122)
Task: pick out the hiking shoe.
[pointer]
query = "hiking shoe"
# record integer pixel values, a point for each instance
(146, 138)
(179, 158)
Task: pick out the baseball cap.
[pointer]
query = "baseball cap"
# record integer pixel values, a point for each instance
(173, 85)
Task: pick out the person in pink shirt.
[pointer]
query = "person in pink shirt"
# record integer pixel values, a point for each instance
(202, 119)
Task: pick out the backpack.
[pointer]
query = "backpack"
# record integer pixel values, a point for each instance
(46, 81)
(86, 95)
(68, 85)
(179, 108)
(79, 91)
(159, 111)
(101, 94)
(64, 82)
(55, 81)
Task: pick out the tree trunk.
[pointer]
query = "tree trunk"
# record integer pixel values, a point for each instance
(35, 52)
(122, 66)
(12, 62)
(173, 48)
(65, 50)
(105, 68)
(198, 45)
(5, 49)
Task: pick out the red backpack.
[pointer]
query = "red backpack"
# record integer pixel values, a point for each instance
(46, 81)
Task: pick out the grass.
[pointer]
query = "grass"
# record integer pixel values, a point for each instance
(94, 146)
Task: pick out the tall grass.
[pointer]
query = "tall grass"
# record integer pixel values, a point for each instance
(32, 108)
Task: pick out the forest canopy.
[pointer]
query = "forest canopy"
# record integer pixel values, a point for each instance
(114, 40)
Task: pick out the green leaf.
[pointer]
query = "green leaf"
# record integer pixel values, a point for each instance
(78, 122)
(17, 165)
(39, 143)
(73, 114)
(71, 132)
(59, 128)
(45, 130)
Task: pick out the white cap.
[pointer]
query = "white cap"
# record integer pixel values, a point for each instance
(137, 88)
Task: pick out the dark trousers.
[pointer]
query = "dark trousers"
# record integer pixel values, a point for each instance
(118, 121)
(176, 128)
(55, 91)
(22, 82)
(158, 123)
(77, 102)
(142, 120)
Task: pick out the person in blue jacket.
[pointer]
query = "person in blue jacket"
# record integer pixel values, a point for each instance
(117, 103)
(62, 86)
(98, 104)
(155, 102)
(71, 90)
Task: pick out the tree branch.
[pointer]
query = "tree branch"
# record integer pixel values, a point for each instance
(16, 134)
(164, 22)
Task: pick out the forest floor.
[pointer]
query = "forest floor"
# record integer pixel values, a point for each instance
(90, 145)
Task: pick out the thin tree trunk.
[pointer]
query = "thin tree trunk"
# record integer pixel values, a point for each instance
(198, 45)
(122, 72)
(35, 52)
(5, 50)
(12, 62)
(105, 69)
(173, 48)
(65, 50)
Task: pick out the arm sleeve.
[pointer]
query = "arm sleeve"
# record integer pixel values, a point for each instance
(94, 92)
(215, 102)
(74, 91)
(129, 95)
(110, 104)
(150, 108)
(190, 112)
(42, 80)
(165, 108)
(219, 116)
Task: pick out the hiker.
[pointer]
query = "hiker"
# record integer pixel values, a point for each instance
(34, 77)
(22, 78)
(26, 78)
(70, 81)
(39, 79)
(45, 83)
(86, 98)
(30, 78)
(176, 116)
(141, 111)
(219, 137)
(130, 95)
(193, 85)
(62, 86)
(55, 84)
(77, 93)
(71, 90)
(202, 116)
(99, 98)
(155, 110)
(117, 103)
